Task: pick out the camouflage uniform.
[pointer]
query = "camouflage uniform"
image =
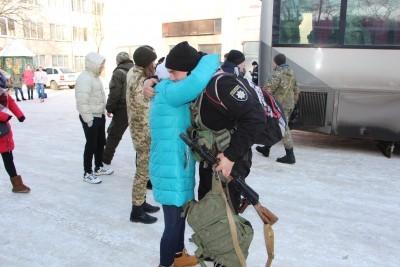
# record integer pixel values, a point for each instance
(138, 118)
(284, 87)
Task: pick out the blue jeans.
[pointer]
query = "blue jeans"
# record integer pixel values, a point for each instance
(172, 240)
(40, 90)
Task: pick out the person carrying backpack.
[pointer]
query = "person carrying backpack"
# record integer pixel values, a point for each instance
(235, 119)
(240, 113)
(284, 87)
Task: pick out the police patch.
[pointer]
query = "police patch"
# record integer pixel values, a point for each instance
(239, 93)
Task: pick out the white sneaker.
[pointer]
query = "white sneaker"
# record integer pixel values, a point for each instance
(103, 171)
(91, 178)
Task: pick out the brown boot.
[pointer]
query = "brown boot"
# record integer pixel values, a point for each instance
(18, 185)
(183, 259)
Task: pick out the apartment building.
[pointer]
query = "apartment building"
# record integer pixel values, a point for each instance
(57, 32)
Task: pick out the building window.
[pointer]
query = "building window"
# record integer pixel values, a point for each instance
(191, 28)
(82, 6)
(98, 8)
(77, 5)
(32, 29)
(32, 2)
(11, 27)
(251, 51)
(55, 3)
(59, 61)
(39, 61)
(79, 34)
(210, 48)
(79, 62)
(3, 26)
(7, 27)
(58, 32)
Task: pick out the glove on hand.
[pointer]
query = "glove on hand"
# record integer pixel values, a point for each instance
(21, 119)
(90, 124)
(9, 118)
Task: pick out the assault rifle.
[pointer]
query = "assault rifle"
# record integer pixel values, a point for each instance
(245, 190)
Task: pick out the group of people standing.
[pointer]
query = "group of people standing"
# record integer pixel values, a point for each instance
(30, 79)
(157, 109)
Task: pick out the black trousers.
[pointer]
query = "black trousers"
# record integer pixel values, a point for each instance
(8, 160)
(242, 167)
(30, 91)
(95, 141)
(115, 131)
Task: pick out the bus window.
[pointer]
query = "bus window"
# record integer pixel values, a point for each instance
(304, 22)
(372, 23)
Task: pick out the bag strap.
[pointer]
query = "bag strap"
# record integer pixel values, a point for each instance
(232, 225)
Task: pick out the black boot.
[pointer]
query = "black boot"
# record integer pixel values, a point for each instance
(263, 150)
(149, 208)
(289, 158)
(138, 215)
(149, 185)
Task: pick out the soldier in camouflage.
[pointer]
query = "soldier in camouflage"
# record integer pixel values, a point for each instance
(138, 118)
(284, 87)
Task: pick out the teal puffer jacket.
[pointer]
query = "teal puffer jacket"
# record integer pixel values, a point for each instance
(171, 163)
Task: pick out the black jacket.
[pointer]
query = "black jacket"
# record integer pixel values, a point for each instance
(117, 96)
(237, 107)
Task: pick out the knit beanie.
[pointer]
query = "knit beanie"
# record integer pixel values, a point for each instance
(235, 56)
(144, 56)
(182, 57)
(121, 57)
(280, 59)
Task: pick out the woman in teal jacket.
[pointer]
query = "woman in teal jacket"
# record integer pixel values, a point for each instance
(172, 167)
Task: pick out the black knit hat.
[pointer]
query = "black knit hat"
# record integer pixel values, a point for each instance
(182, 57)
(143, 56)
(235, 56)
(280, 59)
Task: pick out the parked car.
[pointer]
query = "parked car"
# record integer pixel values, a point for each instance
(60, 76)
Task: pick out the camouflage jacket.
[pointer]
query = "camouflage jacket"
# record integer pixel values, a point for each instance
(137, 104)
(284, 87)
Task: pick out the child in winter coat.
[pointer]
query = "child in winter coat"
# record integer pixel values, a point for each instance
(6, 141)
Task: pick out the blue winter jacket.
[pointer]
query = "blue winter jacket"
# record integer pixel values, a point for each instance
(171, 163)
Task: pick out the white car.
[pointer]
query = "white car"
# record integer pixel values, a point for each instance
(60, 76)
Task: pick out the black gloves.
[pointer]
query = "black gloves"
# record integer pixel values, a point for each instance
(21, 119)
(9, 118)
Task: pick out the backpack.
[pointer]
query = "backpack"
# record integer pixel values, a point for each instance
(212, 231)
(275, 121)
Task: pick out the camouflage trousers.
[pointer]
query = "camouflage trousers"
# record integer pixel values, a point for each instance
(141, 141)
(287, 138)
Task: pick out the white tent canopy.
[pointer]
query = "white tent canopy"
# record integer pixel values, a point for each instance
(16, 49)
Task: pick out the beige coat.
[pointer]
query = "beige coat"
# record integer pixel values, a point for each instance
(89, 91)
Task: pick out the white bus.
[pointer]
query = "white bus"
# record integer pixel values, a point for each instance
(346, 56)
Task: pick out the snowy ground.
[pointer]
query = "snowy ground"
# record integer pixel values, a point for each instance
(337, 206)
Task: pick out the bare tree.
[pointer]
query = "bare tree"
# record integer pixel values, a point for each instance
(98, 29)
(15, 10)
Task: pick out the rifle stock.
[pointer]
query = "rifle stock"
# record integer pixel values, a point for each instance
(245, 190)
